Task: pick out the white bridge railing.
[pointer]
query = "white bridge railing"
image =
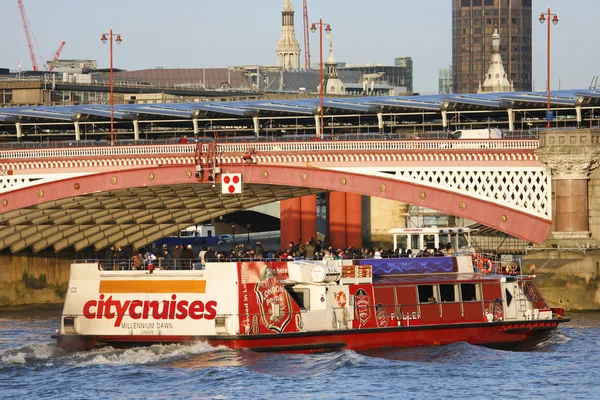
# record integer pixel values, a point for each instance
(275, 147)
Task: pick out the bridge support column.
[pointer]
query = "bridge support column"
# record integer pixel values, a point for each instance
(511, 119)
(77, 131)
(298, 219)
(318, 132)
(380, 122)
(344, 220)
(444, 120)
(256, 126)
(19, 131)
(571, 155)
(195, 125)
(136, 130)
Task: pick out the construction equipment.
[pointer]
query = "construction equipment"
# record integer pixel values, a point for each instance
(31, 39)
(55, 56)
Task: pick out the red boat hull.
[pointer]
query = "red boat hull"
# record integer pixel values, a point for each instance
(520, 336)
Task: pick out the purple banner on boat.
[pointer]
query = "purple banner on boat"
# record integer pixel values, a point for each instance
(419, 265)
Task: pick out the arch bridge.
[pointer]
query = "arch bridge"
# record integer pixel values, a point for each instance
(92, 197)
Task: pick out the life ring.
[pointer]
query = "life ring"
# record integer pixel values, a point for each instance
(340, 298)
(484, 264)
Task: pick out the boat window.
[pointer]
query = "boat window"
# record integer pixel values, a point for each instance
(429, 241)
(427, 294)
(447, 293)
(300, 296)
(469, 292)
(414, 242)
(403, 242)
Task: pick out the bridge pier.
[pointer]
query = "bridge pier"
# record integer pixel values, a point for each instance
(567, 264)
(298, 219)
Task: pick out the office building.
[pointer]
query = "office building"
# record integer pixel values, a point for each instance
(473, 23)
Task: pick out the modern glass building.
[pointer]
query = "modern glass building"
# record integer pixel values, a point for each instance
(445, 81)
(473, 23)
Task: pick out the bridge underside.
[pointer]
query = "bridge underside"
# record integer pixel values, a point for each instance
(138, 206)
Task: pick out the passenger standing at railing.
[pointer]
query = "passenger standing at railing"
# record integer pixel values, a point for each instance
(122, 258)
(177, 256)
(186, 256)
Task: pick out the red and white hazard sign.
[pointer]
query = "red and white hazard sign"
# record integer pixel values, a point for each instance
(231, 183)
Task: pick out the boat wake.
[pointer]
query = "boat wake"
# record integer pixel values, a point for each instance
(48, 354)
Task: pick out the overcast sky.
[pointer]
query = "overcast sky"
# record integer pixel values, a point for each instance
(220, 33)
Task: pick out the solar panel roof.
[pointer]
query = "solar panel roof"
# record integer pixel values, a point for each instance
(303, 107)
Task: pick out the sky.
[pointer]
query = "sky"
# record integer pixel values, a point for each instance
(221, 33)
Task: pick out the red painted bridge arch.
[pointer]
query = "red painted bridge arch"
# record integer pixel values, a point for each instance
(35, 208)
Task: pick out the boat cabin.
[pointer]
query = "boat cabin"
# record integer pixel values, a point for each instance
(432, 238)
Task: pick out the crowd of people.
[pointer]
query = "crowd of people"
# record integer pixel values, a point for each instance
(184, 257)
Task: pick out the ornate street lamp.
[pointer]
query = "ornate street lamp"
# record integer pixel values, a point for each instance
(117, 38)
(554, 18)
(313, 29)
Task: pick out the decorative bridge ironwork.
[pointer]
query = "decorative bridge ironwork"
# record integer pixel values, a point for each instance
(132, 195)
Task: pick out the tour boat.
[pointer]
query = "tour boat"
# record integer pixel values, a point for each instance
(308, 306)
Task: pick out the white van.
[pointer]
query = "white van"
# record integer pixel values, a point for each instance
(493, 133)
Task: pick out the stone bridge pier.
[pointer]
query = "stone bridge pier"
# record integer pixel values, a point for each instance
(567, 264)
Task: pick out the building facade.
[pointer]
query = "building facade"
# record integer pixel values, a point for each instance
(399, 75)
(445, 83)
(473, 23)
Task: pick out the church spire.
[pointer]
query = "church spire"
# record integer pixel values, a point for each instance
(496, 79)
(288, 48)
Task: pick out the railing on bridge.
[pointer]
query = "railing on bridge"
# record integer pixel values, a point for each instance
(273, 147)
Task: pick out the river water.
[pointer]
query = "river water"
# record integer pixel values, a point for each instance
(566, 365)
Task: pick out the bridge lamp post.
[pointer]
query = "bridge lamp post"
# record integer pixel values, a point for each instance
(116, 38)
(554, 18)
(313, 29)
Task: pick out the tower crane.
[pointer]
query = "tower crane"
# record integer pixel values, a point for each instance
(31, 39)
(306, 37)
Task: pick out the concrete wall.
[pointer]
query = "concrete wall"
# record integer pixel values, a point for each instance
(379, 216)
(15, 290)
(567, 278)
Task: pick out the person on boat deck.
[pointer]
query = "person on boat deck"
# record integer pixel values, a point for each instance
(403, 253)
(449, 250)
(176, 256)
(165, 259)
(210, 255)
(186, 255)
(259, 250)
(432, 299)
(377, 253)
(183, 140)
(327, 256)
(150, 259)
(202, 254)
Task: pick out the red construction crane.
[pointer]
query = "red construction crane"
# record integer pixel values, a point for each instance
(28, 35)
(306, 38)
(31, 39)
(56, 55)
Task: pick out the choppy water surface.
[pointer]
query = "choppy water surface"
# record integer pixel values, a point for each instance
(564, 366)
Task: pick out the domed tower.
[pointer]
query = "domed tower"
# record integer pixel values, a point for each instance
(288, 48)
(333, 84)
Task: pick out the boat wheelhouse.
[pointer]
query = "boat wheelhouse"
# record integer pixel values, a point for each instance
(432, 238)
